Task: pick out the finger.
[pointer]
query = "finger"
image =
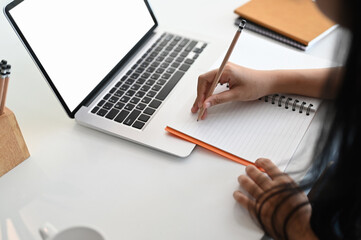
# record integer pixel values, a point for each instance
(258, 177)
(226, 96)
(269, 167)
(204, 114)
(204, 82)
(250, 186)
(245, 201)
(194, 108)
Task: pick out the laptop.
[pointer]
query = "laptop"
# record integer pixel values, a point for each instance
(113, 68)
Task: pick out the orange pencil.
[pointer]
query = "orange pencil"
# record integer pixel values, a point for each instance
(241, 25)
(4, 69)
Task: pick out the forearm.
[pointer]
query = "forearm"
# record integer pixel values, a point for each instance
(319, 83)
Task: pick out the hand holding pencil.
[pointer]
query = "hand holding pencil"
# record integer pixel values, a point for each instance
(221, 69)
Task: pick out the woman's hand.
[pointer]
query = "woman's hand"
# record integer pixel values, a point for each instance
(274, 199)
(244, 85)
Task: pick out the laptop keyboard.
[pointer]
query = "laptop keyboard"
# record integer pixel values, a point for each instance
(136, 97)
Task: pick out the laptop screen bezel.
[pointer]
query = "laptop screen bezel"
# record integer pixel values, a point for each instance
(102, 82)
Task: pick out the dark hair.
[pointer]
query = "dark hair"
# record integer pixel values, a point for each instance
(335, 198)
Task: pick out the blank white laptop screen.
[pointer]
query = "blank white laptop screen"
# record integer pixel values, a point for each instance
(79, 42)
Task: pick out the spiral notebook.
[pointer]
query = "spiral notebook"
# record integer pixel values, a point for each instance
(271, 127)
(298, 23)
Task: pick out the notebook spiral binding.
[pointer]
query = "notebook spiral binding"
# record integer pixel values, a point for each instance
(289, 103)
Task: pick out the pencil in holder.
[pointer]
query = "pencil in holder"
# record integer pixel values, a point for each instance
(13, 149)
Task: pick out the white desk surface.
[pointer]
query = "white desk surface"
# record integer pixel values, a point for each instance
(78, 176)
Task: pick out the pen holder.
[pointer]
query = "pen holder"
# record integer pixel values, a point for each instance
(13, 149)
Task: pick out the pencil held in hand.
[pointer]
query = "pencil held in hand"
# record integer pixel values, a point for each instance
(224, 62)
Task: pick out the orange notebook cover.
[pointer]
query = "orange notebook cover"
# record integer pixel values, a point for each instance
(208, 146)
(300, 20)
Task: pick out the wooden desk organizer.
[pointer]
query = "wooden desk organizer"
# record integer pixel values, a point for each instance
(13, 149)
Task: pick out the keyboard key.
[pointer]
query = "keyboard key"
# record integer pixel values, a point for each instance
(124, 87)
(132, 117)
(135, 87)
(160, 70)
(150, 69)
(145, 75)
(166, 76)
(138, 125)
(140, 94)
(129, 107)
(155, 104)
(180, 59)
(134, 100)
(150, 82)
(149, 111)
(197, 50)
(178, 49)
(191, 46)
(149, 59)
(156, 88)
(189, 61)
(125, 99)
(130, 93)
(170, 70)
(161, 82)
(113, 99)
(141, 81)
(113, 90)
(119, 105)
(155, 76)
(95, 110)
(164, 65)
(101, 103)
(108, 106)
(164, 54)
(151, 94)
(130, 81)
(175, 64)
(155, 64)
(144, 65)
(118, 84)
(145, 88)
(169, 59)
(146, 100)
(170, 85)
(174, 54)
(144, 118)
(184, 54)
(119, 93)
(184, 42)
(102, 112)
(112, 114)
(106, 97)
(184, 67)
(140, 106)
(121, 116)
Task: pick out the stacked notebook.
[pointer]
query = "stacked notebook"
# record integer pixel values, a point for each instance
(298, 23)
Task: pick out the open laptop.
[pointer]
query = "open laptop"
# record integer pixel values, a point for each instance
(112, 67)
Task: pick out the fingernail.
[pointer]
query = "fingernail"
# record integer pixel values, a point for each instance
(207, 104)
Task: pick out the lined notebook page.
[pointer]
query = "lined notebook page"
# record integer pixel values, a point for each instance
(254, 129)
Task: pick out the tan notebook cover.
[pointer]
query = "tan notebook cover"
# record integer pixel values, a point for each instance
(300, 20)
